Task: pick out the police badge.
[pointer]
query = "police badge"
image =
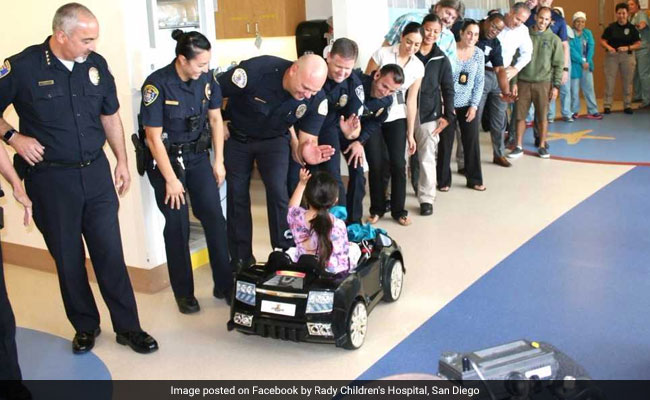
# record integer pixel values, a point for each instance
(378, 113)
(93, 75)
(149, 94)
(239, 78)
(300, 111)
(360, 94)
(462, 78)
(343, 100)
(5, 70)
(626, 31)
(208, 92)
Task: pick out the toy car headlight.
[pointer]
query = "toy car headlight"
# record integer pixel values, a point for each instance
(320, 302)
(245, 292)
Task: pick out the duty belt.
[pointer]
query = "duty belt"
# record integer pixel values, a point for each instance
(178, 148)
(56, 164)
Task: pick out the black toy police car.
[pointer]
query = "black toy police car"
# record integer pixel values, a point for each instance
(300, 302)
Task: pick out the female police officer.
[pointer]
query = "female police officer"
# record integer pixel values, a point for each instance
(177, 103)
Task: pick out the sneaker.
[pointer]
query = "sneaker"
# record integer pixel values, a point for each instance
(516, 153)
(543, 152)
(550, 120)
(628, 110)
(598, 116)
(567, 119)
(575, 116)
(607, 110)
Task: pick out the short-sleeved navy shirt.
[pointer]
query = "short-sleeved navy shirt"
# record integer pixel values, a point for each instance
(491, 49)
(168, 102)
(343, 99)
(621, 35)
(375, 110)
(558, 23)
(259, 107)
(59, 107)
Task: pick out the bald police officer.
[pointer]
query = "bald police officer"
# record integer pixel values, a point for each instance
(66, 100)
(266, 96)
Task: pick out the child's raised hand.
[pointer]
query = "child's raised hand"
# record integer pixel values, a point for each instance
(304, 175)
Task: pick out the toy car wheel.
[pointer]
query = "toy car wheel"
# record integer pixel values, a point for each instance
(357, 326)
(393, 280)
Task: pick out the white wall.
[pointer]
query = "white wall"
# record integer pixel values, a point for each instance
(364, 21)
(318, 9)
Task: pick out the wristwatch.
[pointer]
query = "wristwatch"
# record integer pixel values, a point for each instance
(8, 135)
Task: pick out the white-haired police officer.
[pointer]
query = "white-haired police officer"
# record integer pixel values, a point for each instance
(66, 100)
(266, 96)
(177, 102)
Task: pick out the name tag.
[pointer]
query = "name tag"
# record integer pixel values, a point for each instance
(171, 102)
(46, 83)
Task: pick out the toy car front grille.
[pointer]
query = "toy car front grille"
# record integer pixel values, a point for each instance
(286, 331)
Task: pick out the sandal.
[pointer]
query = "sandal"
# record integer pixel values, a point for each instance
(480, 188)
(404, 221)
(444, 188)
(373, 219)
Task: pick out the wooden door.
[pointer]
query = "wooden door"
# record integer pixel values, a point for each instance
(233, 19)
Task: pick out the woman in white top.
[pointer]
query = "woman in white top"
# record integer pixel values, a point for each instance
(398, 130)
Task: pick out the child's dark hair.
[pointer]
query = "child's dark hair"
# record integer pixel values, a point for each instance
(321, 193)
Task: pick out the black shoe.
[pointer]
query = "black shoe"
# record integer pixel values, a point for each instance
(387, 208)
(426, 209)
(140, 342)
(83, 342)
(188, 305)
(461, 171)
(607, 110)
(628, 110)
(537, 141)
(226, 295)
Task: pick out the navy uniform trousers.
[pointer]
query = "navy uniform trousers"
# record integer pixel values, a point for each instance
(71, 203)
(272, 157)
(200, 184)
(9, 369)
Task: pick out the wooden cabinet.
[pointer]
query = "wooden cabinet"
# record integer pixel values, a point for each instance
(245, 18)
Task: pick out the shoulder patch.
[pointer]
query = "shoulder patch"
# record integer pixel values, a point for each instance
(5, 70)
(149, 94)
(93, 75)
(239, 78)
(215, 75)
(360, 93)
(208, 92)
(322, 107)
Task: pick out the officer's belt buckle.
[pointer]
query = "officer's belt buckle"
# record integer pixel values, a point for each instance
(84, 164)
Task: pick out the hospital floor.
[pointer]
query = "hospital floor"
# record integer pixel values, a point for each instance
(458, 267)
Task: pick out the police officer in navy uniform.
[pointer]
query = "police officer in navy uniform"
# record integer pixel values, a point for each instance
(344, 94)
(66, 100)
(378, 90)
(177, 102)
(266, 96)
(10, 375)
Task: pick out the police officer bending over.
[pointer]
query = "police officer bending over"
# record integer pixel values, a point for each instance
(378, 90)
(266, 96)
(344, 95)
(177, 102)
(66, 100)
(10, 375)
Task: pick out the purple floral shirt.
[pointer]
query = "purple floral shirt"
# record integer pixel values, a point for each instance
(307, 241)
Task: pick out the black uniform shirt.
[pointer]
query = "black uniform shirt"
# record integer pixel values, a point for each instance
(59, 107)
(492, 50)
(621, 35)
(375, 111)
(260, 108)
(168, 102)
(343, 99)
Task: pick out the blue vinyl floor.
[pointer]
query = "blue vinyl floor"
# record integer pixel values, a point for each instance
(582, 284)
(617, 138)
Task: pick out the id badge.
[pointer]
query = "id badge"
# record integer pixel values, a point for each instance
(400, 97)
(462, 78)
